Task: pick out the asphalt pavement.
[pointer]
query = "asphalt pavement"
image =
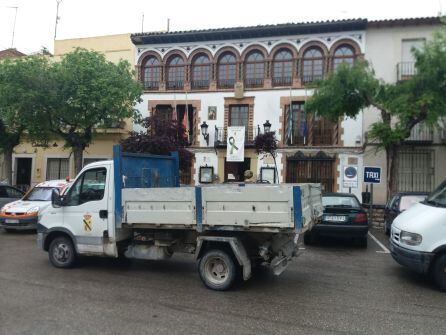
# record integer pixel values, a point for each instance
(333, 287)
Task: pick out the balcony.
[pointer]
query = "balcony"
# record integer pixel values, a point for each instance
(282, 81)
(311, 78)
(420, 134)
(221, 134)
(253, 82)
(405, 70)
(175, 84)
(151, 85)
(200, 84)
(226, 83)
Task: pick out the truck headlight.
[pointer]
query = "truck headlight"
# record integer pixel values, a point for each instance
(33, 210)
(410, 238)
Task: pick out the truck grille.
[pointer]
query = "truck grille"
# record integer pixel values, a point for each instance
(396, 234)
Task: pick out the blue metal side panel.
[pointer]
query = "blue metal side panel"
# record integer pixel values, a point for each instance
(176, 168)
(199, 208)
(297, 205)
(118, 185)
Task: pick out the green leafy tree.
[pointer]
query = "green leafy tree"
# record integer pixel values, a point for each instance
(25, 87)
(401, 106)
(91, 93)
(266, 144)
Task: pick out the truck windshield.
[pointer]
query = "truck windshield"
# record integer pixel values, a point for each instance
(438, 197)
(40, 194)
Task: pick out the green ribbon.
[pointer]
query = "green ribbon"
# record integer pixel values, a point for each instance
(231, 141)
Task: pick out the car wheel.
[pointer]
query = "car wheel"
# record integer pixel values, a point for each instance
(62, 253)
(217, 270)
(439, 272)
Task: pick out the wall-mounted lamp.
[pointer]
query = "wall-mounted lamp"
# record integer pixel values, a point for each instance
(267, 127)
(204, 131)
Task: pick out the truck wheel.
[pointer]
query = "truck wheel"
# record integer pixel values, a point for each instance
(439, 272)
(61, 252)
(217, 269)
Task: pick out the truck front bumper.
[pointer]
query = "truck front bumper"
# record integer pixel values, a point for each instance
(415, 260)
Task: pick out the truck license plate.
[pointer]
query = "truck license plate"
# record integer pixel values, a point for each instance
(335, 218)
(11, 221)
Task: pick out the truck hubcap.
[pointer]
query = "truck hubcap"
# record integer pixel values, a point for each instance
(216, 270)
(61, 253)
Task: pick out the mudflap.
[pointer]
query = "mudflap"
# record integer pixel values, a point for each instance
(284, 247)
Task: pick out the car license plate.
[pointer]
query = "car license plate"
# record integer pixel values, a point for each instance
(11, 221)
(335, 218)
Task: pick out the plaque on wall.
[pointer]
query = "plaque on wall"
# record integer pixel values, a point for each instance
(238, 90)
(212, 113)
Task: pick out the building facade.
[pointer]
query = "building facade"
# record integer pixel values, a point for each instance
(422, 158)
(246, 77)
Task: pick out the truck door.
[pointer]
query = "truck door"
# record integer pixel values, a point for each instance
(86, 210)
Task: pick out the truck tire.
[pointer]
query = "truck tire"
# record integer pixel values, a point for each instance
(439, 272)
(62, 253)
(217, 269)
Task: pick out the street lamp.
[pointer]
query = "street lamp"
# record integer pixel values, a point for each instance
(204, 132)
(267, 127)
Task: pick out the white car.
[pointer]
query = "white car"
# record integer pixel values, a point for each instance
(22, 214)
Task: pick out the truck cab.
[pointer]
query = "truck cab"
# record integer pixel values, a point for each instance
(418, 237)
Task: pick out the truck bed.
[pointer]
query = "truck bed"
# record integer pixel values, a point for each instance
(256, 207)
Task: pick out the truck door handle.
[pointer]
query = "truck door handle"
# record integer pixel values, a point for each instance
(103, 214)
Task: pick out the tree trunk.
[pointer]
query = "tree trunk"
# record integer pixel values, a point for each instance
(7, 155)
(392, 170)
(78, 153)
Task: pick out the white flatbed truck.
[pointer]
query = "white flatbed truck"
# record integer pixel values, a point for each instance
(132, 207)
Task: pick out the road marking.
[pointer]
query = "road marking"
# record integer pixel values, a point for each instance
(301, 248)
(382, 246)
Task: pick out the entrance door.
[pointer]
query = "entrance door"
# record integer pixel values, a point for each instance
(23, 173)
(86, 210)
(318, 169)
(236, 170)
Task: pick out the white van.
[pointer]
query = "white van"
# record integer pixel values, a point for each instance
(418, 237)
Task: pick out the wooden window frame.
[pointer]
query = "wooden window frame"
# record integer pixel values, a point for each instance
(204, 81)
(178, 71)
(155, 73)
(253, 68)
(312, 77)
(226, 82)
(282, 63)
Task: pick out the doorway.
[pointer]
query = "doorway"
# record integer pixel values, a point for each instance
(234, 171)
(23, 173)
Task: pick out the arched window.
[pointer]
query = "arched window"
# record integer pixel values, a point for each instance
(343, 54)
(151, 73)
(227, 65)
(312, 65)
(283, 68)
(201, 69)
(254, 69)
(175, 73)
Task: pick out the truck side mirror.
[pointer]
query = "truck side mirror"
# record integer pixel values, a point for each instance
(56, 201)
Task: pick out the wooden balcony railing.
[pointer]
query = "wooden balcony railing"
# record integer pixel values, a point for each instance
(405, 70)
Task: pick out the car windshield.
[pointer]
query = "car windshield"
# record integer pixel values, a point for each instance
(410, 200)
(340, 201)
(438, 197)
(40, 194)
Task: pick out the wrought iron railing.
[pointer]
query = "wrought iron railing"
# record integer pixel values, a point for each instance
(282, 81)
(254, 82)
(151, 85)
(421, 133)
(175, 84)
(405, 70)
(226, 83)
(307, 79)
(200, 84)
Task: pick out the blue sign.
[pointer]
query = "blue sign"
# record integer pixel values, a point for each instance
(372, 174)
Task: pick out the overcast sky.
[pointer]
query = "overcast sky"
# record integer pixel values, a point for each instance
(81, 18)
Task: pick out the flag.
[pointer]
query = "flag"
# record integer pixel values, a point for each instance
(185, 122)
